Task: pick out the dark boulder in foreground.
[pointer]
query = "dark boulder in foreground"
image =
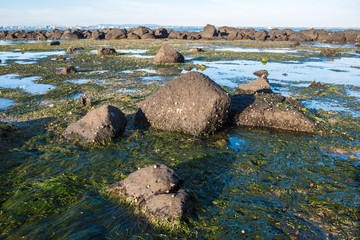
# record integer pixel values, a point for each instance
(168, 54)
(261, 73)
(271, 111)
(259, 85)
(191, 103)
(328, 52)
(98, 125)
(315, 84)
(106, 51)
(68, 70)
(155, 189)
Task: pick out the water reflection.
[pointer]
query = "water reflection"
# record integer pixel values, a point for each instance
(27, 83)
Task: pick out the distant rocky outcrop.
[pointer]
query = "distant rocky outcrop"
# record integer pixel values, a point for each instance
(191, 103)
(97, 126)
(209, 32)
(259, 85)
(116, 34)
(155, 189)
(168, 54)
(266, 110)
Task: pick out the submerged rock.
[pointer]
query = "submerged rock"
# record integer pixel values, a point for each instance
(315, 84)
(155, 190)
(191, 103)
(168, 54)
(53, 43)
(271, 111)
(259, 85)
(68, 70)
(98, 125)
(106, 51)
(328, 52)
(196, 50)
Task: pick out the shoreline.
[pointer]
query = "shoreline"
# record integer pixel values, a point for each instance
(209, 32)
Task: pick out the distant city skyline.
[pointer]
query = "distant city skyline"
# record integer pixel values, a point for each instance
(260, 13)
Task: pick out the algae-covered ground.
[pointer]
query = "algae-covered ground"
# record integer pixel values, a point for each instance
(250, 183)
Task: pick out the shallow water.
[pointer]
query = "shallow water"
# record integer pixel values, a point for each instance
(5, 103)
(27, 84)
(259, 50)
(30, 56)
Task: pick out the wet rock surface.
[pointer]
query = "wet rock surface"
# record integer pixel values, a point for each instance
(155, 189)
(191, 103)
(99, 125)
(315, 84)
(271, 111)
(257, 86)
(328, 52)
(168, 54)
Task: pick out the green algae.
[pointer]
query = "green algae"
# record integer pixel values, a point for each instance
(254, 184)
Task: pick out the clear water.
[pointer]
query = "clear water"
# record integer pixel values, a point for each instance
(27, 84)
(5, 103)
(33, 56)
(258, 50)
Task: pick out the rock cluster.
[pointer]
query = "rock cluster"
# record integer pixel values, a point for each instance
(156, 190)
(209, 32)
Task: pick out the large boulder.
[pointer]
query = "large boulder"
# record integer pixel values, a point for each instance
(97, 35)
(168, 54)
(98, 125)
(55, 34)
(261, 35)
(115, 34)
(271, 111)
(71, 35)
(161, 33)
(191, 103)
(106, 51)
(155, 189)
(209, 32)
(259, 85)
(336, 37)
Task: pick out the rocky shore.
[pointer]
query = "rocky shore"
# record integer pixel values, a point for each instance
(209, 32)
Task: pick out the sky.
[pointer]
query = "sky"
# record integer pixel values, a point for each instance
(236, 13)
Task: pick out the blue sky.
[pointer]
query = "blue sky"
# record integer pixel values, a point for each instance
(275, 13)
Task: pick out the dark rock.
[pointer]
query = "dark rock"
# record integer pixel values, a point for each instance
(146, 182)
(336, 37)
(299, 37)
(196, 50)
(132, 36)
(328, 52)
(357, 51)
(259, 85)
(168, 54)
(188, 68)
(147, 36)
(97, 35)
(271, 111)
(3, 34)
(311, 34)
(277, 35)
(172, 207)
(86, 101)
(357, 45)
(140, 31)
(322, 35)
(178, 35)
(261, 73)
(161, 33)
(98, 125)
(106, 51)
(115, 34)
(68, 70)
(71, 35)
(261, 35)
(351, 35)
(53, 43)
(191, 103)
(0, 60)
(315, 84)
(209, 32)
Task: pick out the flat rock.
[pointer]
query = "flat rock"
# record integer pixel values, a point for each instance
(168, 54)
(106, 51)
(271, 111)
(192, 103)
(259, 85)
(147, 182)
(98, 125)
(172, 206)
